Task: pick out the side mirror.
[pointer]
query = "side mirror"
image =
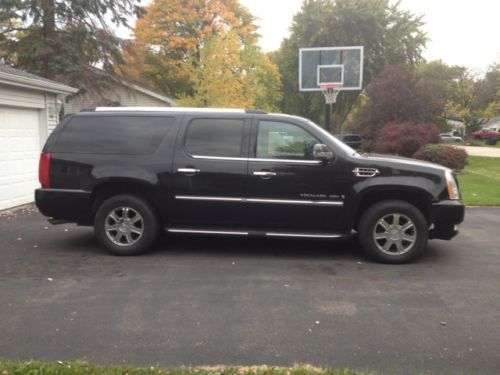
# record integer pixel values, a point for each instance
(322, 152)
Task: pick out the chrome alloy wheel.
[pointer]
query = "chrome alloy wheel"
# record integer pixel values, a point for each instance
(395, 234)
(124, 226)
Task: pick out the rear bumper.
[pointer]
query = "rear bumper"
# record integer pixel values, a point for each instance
(447, 215)
(62, 204)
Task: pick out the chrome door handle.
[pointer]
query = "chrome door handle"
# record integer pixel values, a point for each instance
(188, 170)
(264, 173)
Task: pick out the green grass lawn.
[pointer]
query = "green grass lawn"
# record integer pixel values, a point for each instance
(83, 368)
(480, 182)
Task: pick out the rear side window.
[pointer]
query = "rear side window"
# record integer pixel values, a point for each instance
(215, 137)
(131, 135)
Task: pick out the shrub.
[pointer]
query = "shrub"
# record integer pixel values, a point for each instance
(396, 95)
(449, 156)
(406, 138)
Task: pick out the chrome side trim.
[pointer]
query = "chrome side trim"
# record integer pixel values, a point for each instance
(178, 230)
(292, 201)
(260, 200)
(264, 173)
(257, 159)
(365, 172)
(188, 170)
(196, 198)
(305, 235)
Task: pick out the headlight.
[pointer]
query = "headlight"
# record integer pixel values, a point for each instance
(453, 191)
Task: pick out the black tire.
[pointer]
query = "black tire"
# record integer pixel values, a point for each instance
(147, 222)
(370, 225)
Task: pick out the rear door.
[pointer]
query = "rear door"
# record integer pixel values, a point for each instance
(210, 171)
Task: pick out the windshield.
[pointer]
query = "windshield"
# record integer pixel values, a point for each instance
(348, 150)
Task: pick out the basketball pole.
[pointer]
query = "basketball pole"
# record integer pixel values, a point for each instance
(328, 116)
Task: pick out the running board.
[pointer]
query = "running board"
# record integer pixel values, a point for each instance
(257, 233)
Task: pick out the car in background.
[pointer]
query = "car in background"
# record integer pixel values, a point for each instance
(449, 137)
(352, 140)
(486, 133)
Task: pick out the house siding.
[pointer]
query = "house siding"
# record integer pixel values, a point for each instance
(118, 93)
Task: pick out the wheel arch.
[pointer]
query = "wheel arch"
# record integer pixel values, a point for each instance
(116, 186)
(419, 198)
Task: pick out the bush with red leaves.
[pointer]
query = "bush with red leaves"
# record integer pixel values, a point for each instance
(406, 138)
(449, 156)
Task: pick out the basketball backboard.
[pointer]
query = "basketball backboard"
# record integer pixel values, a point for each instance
(341, 66)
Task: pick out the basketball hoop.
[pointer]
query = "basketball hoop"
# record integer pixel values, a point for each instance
(330, 91)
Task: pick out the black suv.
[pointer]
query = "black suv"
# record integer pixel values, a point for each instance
(131, 172)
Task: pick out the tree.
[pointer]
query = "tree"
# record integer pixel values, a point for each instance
(171, 35)
(488, 93)
(389, 35)
(399, 95)
(63, 39)
(231, 74)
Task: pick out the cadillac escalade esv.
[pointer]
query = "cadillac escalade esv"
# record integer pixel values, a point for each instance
(131, 172)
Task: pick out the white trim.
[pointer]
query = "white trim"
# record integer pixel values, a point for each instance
(259, 200)
(257, 159)
(36, 84)
(169, 109)
(360, 48)
(341, 66)
(304, 235)
(175, 230)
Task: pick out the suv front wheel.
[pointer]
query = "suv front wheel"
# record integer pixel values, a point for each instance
(393, 231)
(126, 225)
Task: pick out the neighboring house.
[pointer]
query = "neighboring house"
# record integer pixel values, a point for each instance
(457, 127)
(493, 122)
(118, 92)
(29, 108)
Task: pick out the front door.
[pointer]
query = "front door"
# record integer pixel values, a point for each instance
(287, 188)
(210, 172)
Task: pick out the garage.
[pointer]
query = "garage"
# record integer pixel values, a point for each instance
(29, 107)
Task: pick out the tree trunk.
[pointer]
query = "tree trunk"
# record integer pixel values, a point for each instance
(48, 32)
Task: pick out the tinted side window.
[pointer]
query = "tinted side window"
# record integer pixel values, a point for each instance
(215, 137)
(281, 140)
(131, 135)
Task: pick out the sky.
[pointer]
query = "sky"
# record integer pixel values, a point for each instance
(461, 32)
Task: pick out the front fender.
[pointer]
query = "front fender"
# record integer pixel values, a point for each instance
(379, 188)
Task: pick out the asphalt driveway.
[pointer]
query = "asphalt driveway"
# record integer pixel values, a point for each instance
(203, 300)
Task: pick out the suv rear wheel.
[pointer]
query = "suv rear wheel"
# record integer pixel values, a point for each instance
(393, 231)
(126, 225)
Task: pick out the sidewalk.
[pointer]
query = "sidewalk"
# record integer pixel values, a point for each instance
(482, 151)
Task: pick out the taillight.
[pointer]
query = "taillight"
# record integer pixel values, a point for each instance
(44, 170)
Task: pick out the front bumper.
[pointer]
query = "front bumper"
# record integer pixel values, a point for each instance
(64, 204)
(447, 215)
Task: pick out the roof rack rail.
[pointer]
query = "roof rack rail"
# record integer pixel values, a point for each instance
(256, 111)
(90, 109)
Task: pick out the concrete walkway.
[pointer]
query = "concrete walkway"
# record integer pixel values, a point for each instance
(493, 152)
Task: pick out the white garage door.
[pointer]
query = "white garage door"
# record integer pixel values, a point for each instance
(19, 153)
